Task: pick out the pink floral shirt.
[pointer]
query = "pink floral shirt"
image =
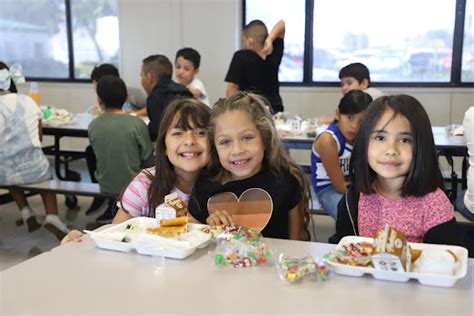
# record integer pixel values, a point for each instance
(135, 197)
(413, 216)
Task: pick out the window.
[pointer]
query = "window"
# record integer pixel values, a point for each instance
(467, 74)
(405, 41)
(291, 67)
(59, 39)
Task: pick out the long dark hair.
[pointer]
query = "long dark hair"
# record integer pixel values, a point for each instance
(13, 88)
(186, 114)
(424, 175)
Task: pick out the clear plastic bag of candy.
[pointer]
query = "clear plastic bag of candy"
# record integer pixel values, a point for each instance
(294, 269)
(238, 247)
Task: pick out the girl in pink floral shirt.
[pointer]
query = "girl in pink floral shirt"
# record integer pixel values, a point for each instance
(395, 177)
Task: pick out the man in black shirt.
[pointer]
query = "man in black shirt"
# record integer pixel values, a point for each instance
(255, 67)
(156, 81)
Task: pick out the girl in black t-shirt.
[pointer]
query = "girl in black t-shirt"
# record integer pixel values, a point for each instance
(247, 153)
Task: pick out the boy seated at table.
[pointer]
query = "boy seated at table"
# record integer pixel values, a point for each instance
(120, 142)
(355, 76)
(186, 67)
(136, 100)
(136, 103)
(155, 76)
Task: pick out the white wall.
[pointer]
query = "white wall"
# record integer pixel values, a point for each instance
(213, 28)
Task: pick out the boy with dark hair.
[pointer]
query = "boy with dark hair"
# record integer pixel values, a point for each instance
(156, 81)
(356, 76)
(120, 142)
(103, 70)
(255, 67)
(136, 100)
(186, 65)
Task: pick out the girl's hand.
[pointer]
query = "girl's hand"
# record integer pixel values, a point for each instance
(220, 218)
(73, 235)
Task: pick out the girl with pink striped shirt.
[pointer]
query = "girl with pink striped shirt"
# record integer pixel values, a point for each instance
(395, 177)
(182, 151)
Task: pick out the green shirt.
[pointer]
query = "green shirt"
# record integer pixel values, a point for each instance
(122, 146)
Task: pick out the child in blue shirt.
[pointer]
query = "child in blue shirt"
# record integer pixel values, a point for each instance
(332, 150)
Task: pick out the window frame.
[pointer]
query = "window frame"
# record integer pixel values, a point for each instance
(70, 39)
(456, 61)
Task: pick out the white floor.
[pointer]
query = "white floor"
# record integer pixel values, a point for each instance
(17, 244)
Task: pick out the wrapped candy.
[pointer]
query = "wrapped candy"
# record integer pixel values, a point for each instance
(238, 247)
(292, 269)
(354, 254)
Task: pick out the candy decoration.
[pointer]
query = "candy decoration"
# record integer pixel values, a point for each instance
(238, 247)
(293, 269)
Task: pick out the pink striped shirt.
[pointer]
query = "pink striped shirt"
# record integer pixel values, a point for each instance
(135, 198)
(413, 216)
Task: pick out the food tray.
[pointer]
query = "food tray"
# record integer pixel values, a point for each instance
(423, 278)
(149, 244)
(58, 122)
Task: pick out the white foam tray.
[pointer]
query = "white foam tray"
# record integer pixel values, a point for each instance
(149, 244)
(426, 279)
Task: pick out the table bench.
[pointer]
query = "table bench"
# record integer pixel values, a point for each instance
(64, 187)
(68, 188)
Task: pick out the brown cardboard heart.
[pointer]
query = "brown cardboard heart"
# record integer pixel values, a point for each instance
(252, 209)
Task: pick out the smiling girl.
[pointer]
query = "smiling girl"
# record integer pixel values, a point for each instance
(182, 150)
(396, 178)
(247, 153)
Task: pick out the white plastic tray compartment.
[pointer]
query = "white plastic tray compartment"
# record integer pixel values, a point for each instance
(149, 244)
(423, 278)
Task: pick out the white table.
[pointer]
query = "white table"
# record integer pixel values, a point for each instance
(80, 279)
(76, 128)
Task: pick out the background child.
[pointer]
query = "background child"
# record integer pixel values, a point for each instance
(156, 80)
(255, 67)
(357, 76)
(465, 200)
(21, 158)
(187, 67)
(136, 100)
(332, 150)
(354, 76)
(396, 178)
(247, 153)
(120, 141)
(182, 150)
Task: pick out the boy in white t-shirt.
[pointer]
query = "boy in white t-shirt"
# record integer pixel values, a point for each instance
(186, 68)
(356, 76)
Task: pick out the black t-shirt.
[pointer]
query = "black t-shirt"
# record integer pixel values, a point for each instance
(254, 74)
(283, 189)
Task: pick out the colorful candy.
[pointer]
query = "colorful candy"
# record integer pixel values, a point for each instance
(293, 269)
(238, 246)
